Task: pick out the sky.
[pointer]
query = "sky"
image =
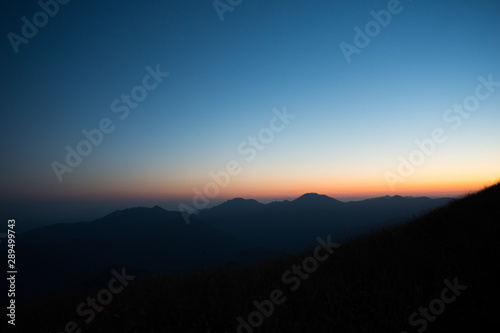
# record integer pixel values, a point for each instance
(196, 102)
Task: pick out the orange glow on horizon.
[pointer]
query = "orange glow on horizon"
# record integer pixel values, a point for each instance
(266, 189)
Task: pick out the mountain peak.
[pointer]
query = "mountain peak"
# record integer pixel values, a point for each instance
(315, 197)
(311, 199)
(155, 213)
(240, 203)
(239, 200)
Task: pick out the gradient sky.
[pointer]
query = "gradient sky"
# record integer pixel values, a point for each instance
(353, 120)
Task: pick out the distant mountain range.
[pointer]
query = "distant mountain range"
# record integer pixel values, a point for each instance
(294, 225)
(239, 231)
(153, 239)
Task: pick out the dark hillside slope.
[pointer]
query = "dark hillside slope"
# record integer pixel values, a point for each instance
(371, 284)
(58, 256)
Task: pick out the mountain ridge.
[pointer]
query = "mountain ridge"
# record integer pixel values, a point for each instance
(381, 282)
(239, 228)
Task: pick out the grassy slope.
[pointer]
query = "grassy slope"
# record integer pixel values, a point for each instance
(371, 284)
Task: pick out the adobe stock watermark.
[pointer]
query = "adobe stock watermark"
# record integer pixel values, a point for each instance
(372, 29)
(437, 306)
(103, 298)
(120, 106)
(293, 279)
(29, 29)
(222, 6)
(248, 148)
(428, 146)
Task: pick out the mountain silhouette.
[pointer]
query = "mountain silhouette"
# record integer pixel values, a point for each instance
(314, 199)
(294, 225)
(440, 267)
(237, 231)
(146, 238)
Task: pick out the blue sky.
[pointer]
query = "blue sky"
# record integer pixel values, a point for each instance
(352, 120)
